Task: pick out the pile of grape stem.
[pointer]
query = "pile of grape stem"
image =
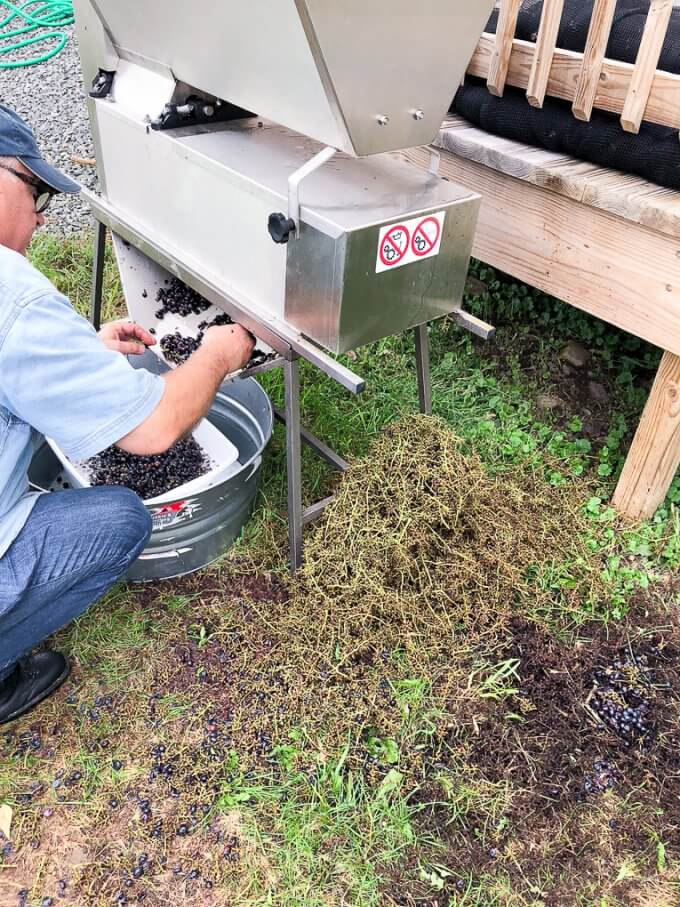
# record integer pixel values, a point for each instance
(428, 539)
(423, 554)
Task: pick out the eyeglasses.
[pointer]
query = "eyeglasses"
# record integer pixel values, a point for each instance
(41, 195)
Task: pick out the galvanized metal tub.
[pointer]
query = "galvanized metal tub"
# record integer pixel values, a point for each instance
(192, 532)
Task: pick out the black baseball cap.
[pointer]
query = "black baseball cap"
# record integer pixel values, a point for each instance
(17, 140)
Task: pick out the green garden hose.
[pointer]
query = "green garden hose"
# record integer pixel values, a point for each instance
(34, 27)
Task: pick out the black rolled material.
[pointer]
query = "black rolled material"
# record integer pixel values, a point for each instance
(653, 154)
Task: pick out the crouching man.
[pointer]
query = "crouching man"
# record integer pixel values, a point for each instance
(60, 552)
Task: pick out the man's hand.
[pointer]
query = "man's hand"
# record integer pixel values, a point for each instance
(232, 343)
(190, 389)
(125, 337)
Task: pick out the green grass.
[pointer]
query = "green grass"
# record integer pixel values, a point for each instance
(324, 836)
(325, 832)
(68, 264)
(122, 637)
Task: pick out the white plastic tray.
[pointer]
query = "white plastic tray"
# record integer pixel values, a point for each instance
(142, 279)
(219, 450)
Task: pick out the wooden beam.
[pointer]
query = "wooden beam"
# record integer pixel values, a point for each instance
(593, 58)
(622, 194)
(654, 456)
(545, 50)
(505, 32)
(621, 272)
(663, 106)
(640, 86)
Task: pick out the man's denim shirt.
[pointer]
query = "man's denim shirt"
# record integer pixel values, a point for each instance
(57, 379)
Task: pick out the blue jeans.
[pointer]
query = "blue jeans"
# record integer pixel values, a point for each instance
(74, 546)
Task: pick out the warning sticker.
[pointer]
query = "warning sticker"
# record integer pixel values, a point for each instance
(394, 245)
(426, 236)
(411, 240)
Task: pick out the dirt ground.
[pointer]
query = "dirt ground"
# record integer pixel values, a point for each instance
(128, 785)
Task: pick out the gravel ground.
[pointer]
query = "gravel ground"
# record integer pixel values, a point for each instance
(50, 96)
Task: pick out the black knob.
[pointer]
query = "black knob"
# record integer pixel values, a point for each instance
(280, 227)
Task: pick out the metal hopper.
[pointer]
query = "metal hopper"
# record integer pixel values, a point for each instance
(361, 76)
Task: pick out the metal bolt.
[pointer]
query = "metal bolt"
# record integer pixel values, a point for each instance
(209, 110)
(382, 120)
(418, 115)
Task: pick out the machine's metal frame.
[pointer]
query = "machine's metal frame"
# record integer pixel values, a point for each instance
(290, 346)
(369, 248)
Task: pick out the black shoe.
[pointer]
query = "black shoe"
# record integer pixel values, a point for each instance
(33, 679)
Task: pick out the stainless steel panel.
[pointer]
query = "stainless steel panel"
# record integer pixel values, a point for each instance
(392, 66)
(254, 54)
(345, 194)
(95, 47)
(335, 297)
(333, 71)
(206, 195)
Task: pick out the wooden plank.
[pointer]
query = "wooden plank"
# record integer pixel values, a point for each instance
(593, 58)
(505, 32)
(622, 194)
(647, 60)
(663, 105)
(535, 165)
(624, 273)
(654, 456)
(545, 51)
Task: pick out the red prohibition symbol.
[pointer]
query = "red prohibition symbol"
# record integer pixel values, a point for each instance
(395, 245)
(424, 240)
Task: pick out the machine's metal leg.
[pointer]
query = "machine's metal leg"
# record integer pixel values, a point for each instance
(291, 370)
(298, 517)
(98, 275)
(423, 369)
(315, 512)
(322, 450)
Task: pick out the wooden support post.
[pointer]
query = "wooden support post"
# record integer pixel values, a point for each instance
(500, 60)
(593, 58)
(654, 456)
(642, 80)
